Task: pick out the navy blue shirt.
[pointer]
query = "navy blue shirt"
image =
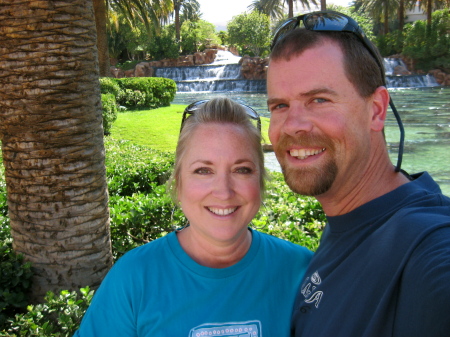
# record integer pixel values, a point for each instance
(382, 269)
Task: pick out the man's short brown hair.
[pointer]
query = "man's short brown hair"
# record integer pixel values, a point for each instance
(360, 66)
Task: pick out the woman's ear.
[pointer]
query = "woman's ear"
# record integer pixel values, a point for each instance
(380, 103)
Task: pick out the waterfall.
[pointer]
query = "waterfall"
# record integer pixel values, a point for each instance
(405, 81)
(224, 75)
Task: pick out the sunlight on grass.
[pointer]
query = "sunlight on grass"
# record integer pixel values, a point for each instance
(158, 128)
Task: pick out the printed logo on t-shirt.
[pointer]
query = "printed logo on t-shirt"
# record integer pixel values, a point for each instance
(234, 329)
(309, 289)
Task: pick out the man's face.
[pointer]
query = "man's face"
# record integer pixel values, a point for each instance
(319, 125)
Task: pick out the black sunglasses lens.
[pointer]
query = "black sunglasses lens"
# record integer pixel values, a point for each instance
(250, 112)
(284, 29)
(194, 106)
(325, 22)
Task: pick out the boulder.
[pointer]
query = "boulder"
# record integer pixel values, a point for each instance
(129, 73)
(185, 61)
(143, 69)
(116, 72)
(253, 68)
(401, 71)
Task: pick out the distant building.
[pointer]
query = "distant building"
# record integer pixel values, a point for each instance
(415, 14)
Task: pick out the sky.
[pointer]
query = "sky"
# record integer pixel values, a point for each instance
(220, 12)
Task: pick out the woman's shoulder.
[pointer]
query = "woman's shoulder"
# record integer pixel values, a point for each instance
(146, 252)
(282, 246)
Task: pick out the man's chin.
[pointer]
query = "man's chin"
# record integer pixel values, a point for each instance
(309, 182)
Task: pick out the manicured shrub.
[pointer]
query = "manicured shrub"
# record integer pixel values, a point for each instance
(287, 215)
(141, 218)
(109, 85)
(109, 107)
(59, 316)
(146, 92)
(15, 281)
(140, 92)
(132, 168)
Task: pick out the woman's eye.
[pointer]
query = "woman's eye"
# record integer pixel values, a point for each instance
(244, 170)
(202, 170)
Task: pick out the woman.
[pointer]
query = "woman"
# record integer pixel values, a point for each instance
(215, 276)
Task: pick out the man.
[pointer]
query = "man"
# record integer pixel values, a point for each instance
(383, 265)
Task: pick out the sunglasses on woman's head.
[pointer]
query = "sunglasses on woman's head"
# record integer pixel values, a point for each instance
(191, 108)
(330, 21)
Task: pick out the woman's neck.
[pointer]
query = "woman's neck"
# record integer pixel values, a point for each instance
(214, 254)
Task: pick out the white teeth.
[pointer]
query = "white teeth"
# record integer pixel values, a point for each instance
(221, 211)
(303, 154)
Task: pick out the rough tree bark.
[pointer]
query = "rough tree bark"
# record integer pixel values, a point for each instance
(52, 142)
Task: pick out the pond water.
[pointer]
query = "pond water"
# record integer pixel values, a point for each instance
(426, 117)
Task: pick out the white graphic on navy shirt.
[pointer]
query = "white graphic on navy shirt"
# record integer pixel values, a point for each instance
(309, 289)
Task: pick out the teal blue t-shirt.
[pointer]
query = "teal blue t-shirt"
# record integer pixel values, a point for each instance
(158, 290)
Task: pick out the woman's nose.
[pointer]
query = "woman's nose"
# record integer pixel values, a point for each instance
(223, 187)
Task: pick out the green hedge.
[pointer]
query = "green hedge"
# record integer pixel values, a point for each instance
(141, 211)
(59, 316)
(133, 169)
(140, 92)
(109, 106)
(15, 281)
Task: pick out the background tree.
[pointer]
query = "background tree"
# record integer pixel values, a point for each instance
(189, 8)
(197, 36)
(275, 8)
(250, 32)
(429, 45)
(52, 142)
(149, 12)
(429, 5)
(380, 10)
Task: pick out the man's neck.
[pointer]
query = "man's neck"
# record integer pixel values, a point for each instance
(374, 183)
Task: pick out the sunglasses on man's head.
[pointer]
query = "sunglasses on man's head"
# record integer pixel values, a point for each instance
(191, 108)
(330, 21)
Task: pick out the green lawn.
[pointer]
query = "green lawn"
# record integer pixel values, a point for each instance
(158, 128)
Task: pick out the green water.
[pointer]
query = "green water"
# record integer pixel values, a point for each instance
(426, 117)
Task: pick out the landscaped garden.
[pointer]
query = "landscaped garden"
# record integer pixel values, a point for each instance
(140, 145)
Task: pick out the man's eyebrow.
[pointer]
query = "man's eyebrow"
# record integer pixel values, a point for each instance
(317, 91)
(273, 101)
(310, 93)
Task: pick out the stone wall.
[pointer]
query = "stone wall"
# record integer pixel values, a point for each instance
(252, 68)
(145, 69)
(442, 77)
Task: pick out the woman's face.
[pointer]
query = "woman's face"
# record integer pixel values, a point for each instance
(219, 187)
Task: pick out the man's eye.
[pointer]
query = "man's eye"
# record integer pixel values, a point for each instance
(277, 107)
(320, 100)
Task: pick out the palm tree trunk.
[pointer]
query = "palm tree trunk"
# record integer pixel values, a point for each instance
(401, 15)
(177, 22)
(386, 17)
(291, 8)
(323, 5)
(102, 38)
(429, 12)
(52, 142)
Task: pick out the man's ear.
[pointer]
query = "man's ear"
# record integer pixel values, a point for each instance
(380, 103)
